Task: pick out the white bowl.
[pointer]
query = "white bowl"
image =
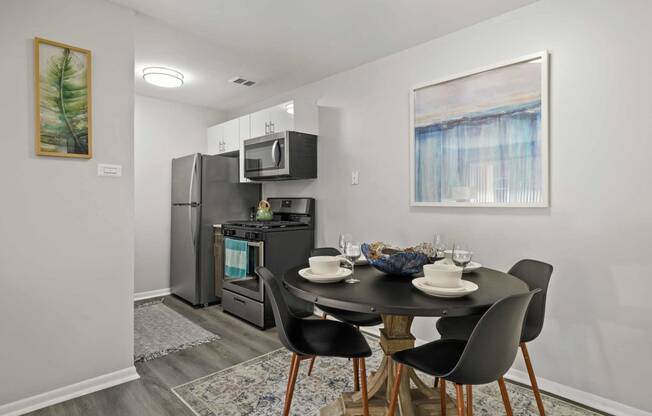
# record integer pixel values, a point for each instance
(443, 275)
(324, 264)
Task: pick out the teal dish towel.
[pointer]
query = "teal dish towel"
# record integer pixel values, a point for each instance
(236, 258)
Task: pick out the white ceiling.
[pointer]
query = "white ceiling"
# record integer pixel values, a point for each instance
(283, 44)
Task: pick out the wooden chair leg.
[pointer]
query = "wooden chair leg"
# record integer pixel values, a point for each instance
(292, 379)
(503, 392)
(442, 395)
(363, 379)
(469, 400)
(533, 379)
(356, 375)
(395, 388)
(459, 393)
(312, 364)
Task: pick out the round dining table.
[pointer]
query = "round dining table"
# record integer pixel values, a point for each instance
(398, 302)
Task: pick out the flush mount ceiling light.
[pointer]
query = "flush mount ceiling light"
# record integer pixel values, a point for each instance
(289, 107)
(163, 77)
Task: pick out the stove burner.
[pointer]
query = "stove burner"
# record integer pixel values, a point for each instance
(267, 224)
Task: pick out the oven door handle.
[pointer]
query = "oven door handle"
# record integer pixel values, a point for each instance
(261, 251)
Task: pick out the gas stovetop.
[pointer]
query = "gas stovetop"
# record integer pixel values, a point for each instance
(266, 224)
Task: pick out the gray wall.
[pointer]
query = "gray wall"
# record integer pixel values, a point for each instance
(162, 130)
(597, 337)
(66, 235)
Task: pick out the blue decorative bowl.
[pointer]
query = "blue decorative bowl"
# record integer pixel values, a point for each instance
(401, 263)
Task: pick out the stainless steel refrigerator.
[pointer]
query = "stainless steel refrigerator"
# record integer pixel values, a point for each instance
(205, 191)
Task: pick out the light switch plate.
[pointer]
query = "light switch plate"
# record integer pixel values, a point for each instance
(109, 170)
(355, 177)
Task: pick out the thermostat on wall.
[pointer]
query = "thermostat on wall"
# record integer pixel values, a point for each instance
(109, 170)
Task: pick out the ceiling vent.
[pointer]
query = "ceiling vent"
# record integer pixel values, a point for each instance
(242, 81)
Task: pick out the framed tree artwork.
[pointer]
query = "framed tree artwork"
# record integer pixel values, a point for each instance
(62, 84)
(480, 139)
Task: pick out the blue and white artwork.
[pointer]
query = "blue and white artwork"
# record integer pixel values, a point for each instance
(481, 139)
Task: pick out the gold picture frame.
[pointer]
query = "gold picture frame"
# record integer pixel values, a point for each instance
(63, 100)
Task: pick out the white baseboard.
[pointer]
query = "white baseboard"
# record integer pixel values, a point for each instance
(71, 391)
(152, 294)
(587, 399)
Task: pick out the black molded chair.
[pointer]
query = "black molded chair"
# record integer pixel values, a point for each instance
(354, 318)
(483, 358)
(308, 338)
(537, 276)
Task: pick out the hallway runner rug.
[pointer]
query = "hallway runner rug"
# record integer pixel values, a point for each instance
(159, 330)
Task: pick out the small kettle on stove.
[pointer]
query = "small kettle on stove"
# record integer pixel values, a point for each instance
(264, 211)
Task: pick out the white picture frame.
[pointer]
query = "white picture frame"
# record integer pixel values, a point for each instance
(543, 195)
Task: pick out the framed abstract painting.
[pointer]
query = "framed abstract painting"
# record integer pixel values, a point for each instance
(62, 84)
(480, 139)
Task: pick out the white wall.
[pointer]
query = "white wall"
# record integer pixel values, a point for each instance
(163, 130)
(66, 235)
(598, 336)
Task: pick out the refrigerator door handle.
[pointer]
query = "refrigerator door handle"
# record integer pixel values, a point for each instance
(192, 178)
(191, 221)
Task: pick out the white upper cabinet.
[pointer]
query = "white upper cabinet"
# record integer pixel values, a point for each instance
(260, 123)
(273, 119)
(224, 138)
(281, 117)
(215, 138)
(245, 127)
(229, 137)
(231, 141)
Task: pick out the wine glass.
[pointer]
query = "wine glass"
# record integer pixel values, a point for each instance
(461, 255)
(344, 238)
(439, 246)
(352, 253)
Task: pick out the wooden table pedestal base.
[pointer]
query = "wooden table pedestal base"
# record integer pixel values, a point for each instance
(420, 401)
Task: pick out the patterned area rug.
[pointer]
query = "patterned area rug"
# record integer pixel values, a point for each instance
(159, 330)
(257, 388)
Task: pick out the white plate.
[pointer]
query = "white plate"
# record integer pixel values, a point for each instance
(471, 267)
(341, 274)
(461, 288)
(420, 283)
(361, 261)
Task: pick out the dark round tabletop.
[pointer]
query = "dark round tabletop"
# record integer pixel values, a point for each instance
(395, 295)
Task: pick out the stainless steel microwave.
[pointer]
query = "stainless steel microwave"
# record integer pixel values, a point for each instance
(281, 156)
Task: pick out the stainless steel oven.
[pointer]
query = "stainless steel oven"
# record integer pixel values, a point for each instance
(281, 156)
(278, 245)
(249, 286)
(245, 296)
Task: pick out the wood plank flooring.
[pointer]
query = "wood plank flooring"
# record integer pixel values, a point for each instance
(151, 394)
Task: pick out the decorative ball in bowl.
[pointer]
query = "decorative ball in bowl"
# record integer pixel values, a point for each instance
(406, 262)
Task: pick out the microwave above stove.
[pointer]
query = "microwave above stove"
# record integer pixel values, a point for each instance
(281, 156)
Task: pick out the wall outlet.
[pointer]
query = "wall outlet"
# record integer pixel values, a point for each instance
(355, 177)
(109, 170)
